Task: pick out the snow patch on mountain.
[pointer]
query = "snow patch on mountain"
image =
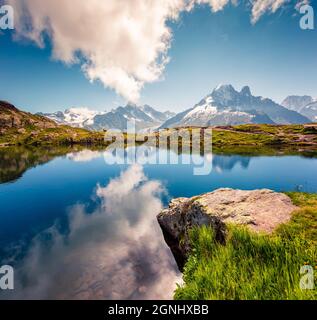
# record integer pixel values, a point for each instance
(305, 105)
(75, 117)
(145, 117)
(226, 106)
(80, 116)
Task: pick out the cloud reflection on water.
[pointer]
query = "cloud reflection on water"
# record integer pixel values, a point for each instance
(115, 252)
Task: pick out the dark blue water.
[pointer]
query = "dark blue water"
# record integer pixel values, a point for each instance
(96, 221)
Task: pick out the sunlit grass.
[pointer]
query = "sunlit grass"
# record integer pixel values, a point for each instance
(251, 265)
(242, 135)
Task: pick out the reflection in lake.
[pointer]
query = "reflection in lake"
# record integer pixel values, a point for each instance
(74, 226)
(14, 161)
(115, 252)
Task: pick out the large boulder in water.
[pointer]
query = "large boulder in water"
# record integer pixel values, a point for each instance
(261, 210)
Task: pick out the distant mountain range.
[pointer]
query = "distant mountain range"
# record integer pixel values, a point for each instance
(305, 105)
(145, 117)
(75, 117)
(224, 106)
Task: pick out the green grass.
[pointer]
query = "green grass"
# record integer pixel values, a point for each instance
(243, 135)
(261, 135)
(254, 266)
(304, 221)
(61, 135)
(243, 138)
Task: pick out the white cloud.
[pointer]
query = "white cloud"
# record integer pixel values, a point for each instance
(259, 7)
(216, 5)
(84, 155)
(124, 44)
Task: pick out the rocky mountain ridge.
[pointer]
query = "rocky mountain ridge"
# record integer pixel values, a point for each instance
(226, 106)
(305, 105)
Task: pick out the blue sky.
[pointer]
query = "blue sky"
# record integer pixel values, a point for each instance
(274, 57)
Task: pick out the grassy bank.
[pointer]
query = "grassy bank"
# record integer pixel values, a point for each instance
(264, 135)
(252, 135)
(243, 135)
(61, 135)
(254, 266)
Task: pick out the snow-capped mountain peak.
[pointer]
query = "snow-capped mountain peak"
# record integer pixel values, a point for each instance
(75, 116)
(80, 116)
(227, 106)
(145, 117)
(203, 109)
(224, 93)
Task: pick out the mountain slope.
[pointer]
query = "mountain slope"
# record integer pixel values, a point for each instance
(296, 103)
(144, 116)
(226, 106)
(22, 128)
(156, 115)
(305, 105)
(118, 118)
(11, 118)
(310, 111)
(75, 117)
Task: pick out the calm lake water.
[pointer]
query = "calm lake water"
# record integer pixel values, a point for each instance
(74, 226)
